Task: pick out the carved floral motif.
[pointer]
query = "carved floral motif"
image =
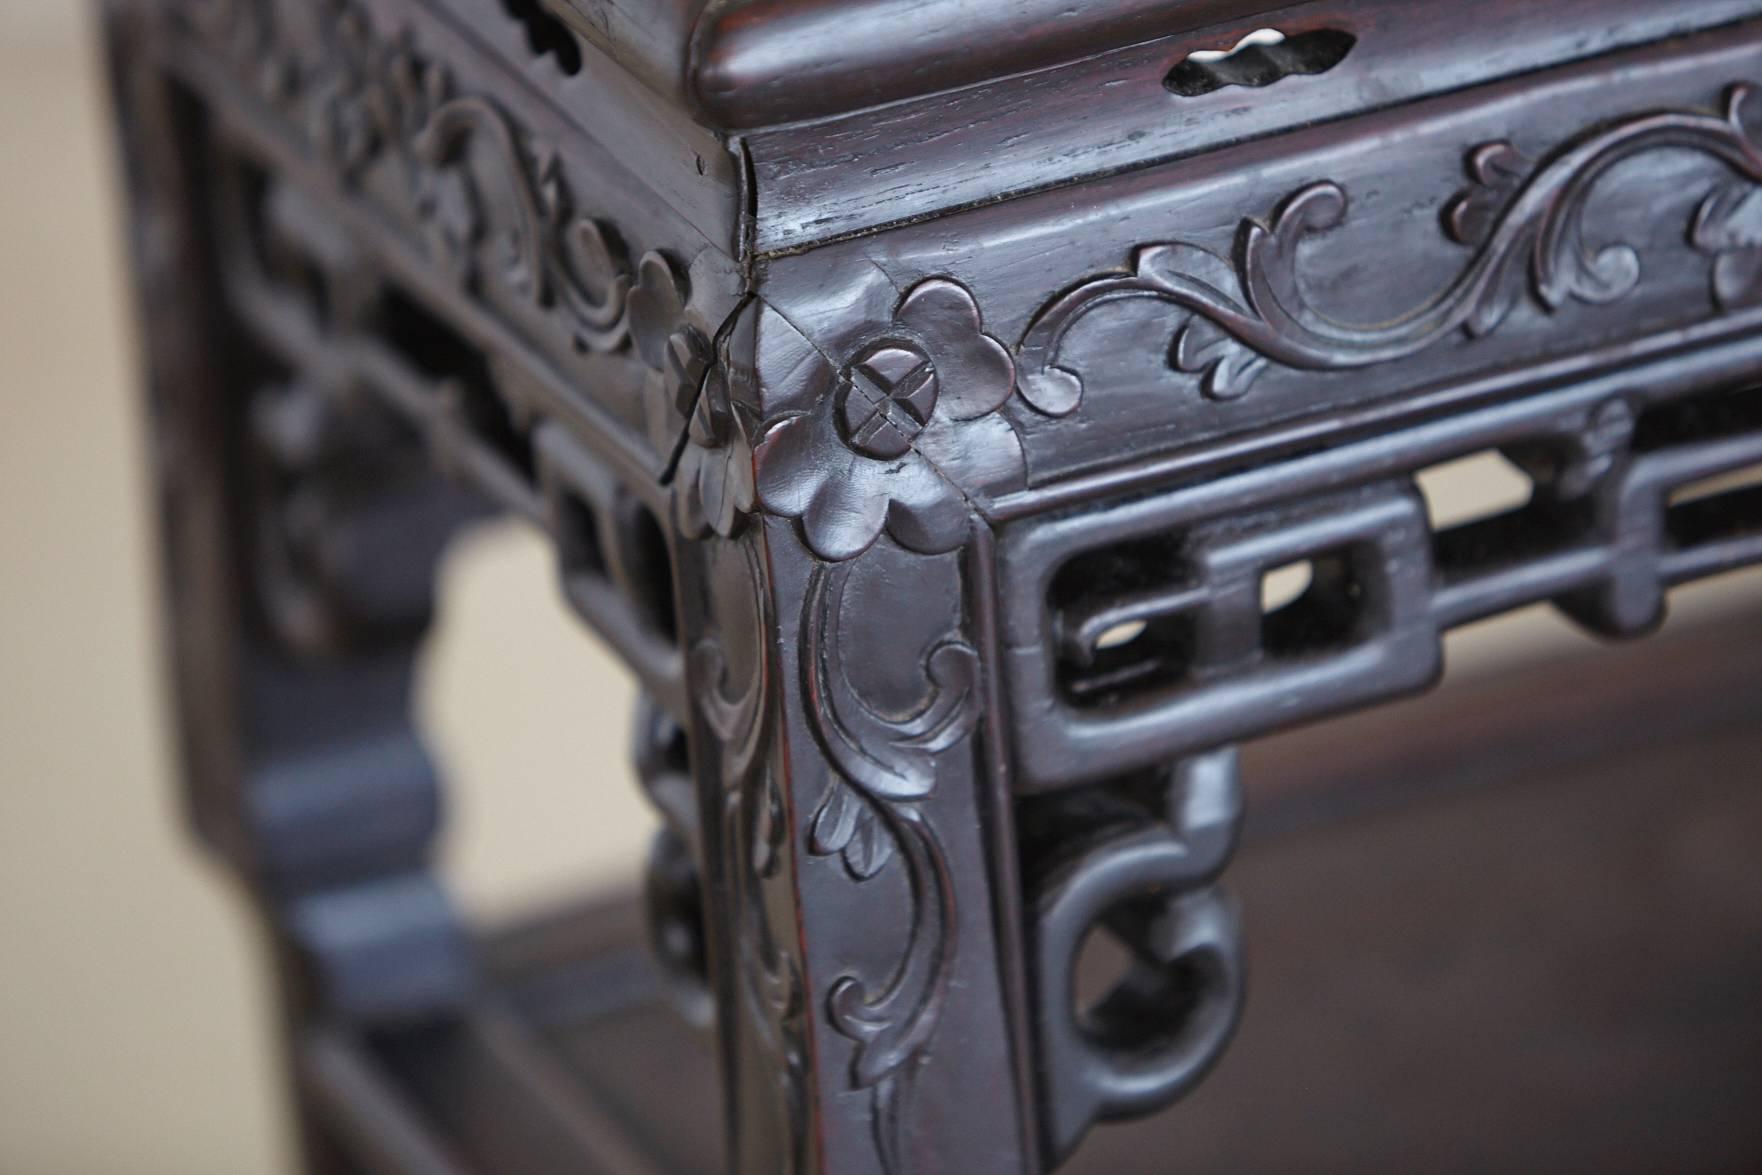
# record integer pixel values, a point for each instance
(490, 201)
(1240, 317)
(913, 416)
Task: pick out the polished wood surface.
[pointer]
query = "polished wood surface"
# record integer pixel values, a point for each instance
(930, 463)
(1540, 959)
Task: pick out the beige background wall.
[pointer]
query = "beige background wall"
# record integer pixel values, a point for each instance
(133, 1016)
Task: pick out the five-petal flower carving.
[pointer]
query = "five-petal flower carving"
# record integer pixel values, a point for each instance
(911, 422)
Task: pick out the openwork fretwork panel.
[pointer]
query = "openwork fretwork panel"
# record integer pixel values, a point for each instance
(1147, 636)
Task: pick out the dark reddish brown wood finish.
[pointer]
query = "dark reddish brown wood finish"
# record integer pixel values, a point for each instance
(918, 395)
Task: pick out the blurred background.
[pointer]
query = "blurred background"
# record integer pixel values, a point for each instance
(135, 1025)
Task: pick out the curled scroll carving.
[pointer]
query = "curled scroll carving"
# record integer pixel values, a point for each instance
(549, 255)
(871, 816)
(1238, 317)
(733, 699)
(490, 199)
(485, 199)
(1145, 871)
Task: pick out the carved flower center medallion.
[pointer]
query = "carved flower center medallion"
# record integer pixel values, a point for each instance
(888, 395)
(903, 434)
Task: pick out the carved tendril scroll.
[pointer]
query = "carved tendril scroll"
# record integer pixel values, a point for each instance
(1240, 318)
(549, 255)
(367, 100)
(482, 195)
(870, 816)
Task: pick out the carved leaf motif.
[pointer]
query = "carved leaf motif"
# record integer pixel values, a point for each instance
(1728, 226)
(769, 829)
(871, 814)
(1730, 218)
(846, 824)
(454, 216)
(1737, 279)
(1269, 251)
(1227, 368)
(1496, 171)
(1504, 289)
(592, 256)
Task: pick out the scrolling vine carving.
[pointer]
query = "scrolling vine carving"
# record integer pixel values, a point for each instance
(1240, 318)
(369, 102)
(872, 814)
(486, 199)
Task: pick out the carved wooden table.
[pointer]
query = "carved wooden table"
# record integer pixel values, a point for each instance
(920, 396)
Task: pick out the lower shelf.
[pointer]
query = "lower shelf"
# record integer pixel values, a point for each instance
(1515, 926)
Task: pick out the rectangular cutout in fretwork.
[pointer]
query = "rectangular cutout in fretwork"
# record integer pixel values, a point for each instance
(578, 539)
(1312, 605)
(1724, 485)
(648, 570)
(442, 354)
(1469, 489)
(1727, 503)
(1736, 513)
(1121, 615)
(1284, 586)
(1716, 509)
(614, 560)
(1710, 416)
(1488, 511)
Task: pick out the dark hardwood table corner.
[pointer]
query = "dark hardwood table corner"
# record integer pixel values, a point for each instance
(921, 397)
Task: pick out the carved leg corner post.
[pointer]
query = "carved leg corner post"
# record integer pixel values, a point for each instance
(865, 982)
(894, 963)
(860, 922)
